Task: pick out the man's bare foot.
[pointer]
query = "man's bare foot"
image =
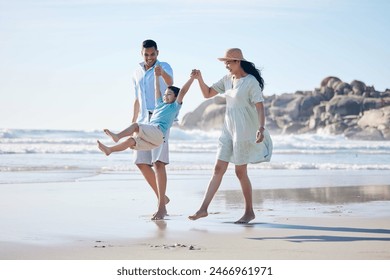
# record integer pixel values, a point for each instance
(246, 218)
(113, 136)
(167, 200)
(198, 215)
(159, 215)
(104, 148)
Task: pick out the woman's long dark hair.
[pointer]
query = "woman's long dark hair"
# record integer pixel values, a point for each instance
(250, 68)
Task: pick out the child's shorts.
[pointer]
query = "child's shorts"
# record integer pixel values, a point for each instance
(148, 137)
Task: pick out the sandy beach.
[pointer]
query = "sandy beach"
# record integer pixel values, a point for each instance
(107, 217)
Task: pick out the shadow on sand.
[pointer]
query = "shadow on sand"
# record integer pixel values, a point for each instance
(322, 238)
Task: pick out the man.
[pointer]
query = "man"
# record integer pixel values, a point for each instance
(144, 104)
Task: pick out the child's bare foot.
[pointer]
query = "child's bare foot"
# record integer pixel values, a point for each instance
(198, 215)
(246, 218)
(113, 136)
(104, 148)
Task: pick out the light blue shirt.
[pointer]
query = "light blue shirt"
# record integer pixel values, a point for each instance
(165, 114)
(143, 84)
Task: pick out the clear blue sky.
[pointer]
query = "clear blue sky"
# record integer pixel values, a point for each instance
(67, 64)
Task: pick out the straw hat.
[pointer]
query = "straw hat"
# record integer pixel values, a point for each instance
(232, 54)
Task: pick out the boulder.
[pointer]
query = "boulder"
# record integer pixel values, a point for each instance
(343, 89)
(286, 104)
(327, 93)
(330, 81)
(197, 119)
(371, 103)
(308, 103)
(376, 118)
(358, 87)
(344, 105)
(213, 117)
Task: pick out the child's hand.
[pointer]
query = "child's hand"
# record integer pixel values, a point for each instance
(158, 70)
(195, 74)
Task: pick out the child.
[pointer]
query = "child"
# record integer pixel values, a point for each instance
(150, 136)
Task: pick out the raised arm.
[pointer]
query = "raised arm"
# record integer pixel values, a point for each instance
(206, 90)
(168, 80)
(157, 75)
(166, 77)
(185, 87)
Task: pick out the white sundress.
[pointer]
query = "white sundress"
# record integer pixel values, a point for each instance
(237, 143)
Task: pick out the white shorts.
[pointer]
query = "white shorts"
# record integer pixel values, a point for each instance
(161, 153)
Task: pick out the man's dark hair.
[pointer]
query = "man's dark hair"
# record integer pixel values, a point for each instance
(175, 90)
(149, 44)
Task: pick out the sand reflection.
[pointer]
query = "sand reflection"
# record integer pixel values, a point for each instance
(324, 195)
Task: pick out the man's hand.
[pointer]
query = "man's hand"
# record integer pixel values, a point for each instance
(158, 71)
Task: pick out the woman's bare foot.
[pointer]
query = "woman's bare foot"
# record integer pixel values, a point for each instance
(113, 136)
(198, 215)
(104, 148)
(246, 218)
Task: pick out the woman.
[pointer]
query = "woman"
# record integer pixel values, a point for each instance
(244, 138)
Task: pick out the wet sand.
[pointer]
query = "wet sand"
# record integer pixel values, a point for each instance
(108, 218)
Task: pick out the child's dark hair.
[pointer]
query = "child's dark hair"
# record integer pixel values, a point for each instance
(149, 44)
(175, 90)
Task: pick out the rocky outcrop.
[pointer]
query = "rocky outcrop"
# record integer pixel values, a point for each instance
(207, 116)
(354, 109)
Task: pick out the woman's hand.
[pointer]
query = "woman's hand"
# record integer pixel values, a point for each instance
(260, 135)
(193, 73)
(196, 74)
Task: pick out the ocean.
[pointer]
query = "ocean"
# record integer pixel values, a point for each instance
(30, 156)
